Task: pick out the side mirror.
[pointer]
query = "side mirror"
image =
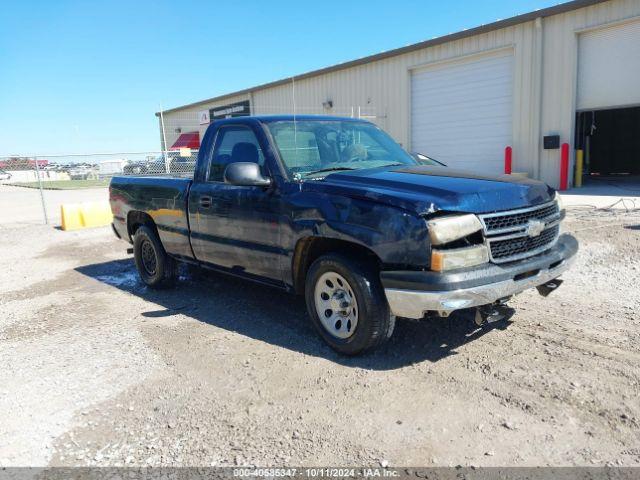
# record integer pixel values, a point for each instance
(245, 174)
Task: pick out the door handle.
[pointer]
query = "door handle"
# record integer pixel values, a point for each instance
(205, 202)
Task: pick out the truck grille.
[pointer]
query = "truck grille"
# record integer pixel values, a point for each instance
(506, 220)
(517, 234)
(504, 249)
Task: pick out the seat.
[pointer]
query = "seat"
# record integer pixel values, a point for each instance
(244, 152)
(327, 150)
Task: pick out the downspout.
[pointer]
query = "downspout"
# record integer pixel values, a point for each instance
(537, 97)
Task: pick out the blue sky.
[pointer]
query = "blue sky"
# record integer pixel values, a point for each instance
(88, 76)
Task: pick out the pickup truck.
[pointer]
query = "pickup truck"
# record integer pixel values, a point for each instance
(334, 209)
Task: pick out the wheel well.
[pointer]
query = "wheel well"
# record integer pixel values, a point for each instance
(309, 249)
(136, 219)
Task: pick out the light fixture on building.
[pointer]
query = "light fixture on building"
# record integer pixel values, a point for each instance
(178, 130)
(327, 104)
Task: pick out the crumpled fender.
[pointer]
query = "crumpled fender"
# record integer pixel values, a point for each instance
(397, 236)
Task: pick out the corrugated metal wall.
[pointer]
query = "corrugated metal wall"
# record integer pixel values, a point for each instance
(545, 65)
(186, 120)
(384, 86)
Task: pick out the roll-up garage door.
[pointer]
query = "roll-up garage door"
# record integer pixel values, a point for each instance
(461, 111)
(609, 67)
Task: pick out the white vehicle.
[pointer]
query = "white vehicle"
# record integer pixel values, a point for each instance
(112, 167)
(4, 175)
(80, 172)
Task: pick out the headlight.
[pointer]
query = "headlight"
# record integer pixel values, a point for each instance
(453, 258)
(447, 229)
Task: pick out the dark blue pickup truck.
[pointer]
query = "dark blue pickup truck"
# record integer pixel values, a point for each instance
(334, 209)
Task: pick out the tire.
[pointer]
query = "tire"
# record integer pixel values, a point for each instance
(363, 321)
(155, 267)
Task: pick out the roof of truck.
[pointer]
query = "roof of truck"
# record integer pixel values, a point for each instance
(291, 118)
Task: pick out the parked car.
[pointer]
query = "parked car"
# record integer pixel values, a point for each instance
(82, 172)
(182, 165)
(335, 210)
(146, 167)
(135, 168)
(4, 175)
(177, 165)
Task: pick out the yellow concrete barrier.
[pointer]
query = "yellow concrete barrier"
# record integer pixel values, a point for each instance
(84, 215)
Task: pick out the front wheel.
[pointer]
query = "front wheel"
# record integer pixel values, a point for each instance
(347, 305)
(155, 267)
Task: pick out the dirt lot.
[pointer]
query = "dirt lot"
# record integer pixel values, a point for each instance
(21, 205)
(98, 370)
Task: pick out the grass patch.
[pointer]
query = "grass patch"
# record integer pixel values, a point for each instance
(64, 184)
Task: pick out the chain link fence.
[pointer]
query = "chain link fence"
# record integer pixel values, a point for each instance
(32, 188)
(92, 169)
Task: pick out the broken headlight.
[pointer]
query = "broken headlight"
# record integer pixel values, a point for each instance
(461, 243)
(452, 227)
(558, 200)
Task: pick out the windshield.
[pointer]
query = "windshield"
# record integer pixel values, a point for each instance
(315, 147)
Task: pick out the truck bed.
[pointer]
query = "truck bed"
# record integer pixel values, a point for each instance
(163, 198)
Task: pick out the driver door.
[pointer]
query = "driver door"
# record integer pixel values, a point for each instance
(237, 227)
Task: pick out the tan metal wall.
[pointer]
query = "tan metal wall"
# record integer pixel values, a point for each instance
(382, 86)
(545, 57)
(187, 119)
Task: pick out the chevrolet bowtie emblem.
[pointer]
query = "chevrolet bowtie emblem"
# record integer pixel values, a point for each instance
(534, 228)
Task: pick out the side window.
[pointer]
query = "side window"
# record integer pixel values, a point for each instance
(234, 144)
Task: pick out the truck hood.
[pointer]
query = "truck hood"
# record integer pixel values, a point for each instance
(427, 189)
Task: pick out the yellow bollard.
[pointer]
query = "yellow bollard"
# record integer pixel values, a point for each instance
(579, 160)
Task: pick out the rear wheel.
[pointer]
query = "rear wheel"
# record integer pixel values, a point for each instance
(346, 303)
(155, 267)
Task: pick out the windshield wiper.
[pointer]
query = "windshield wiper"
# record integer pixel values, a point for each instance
(330, 169)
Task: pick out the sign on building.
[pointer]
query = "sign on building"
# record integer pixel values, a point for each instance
(238, 109)
(203, 117)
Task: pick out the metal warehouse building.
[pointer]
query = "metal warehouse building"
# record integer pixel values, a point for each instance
(565, 74)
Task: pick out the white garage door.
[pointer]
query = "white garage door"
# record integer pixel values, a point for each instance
(609, 67)
(461, 112)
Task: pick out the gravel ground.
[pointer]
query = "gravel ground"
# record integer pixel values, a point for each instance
(20, 205)
(99, 370)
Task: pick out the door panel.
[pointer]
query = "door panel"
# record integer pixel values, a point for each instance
(207, 226)
(236, 227)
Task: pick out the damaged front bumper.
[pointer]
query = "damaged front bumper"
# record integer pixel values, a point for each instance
(411, 294)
